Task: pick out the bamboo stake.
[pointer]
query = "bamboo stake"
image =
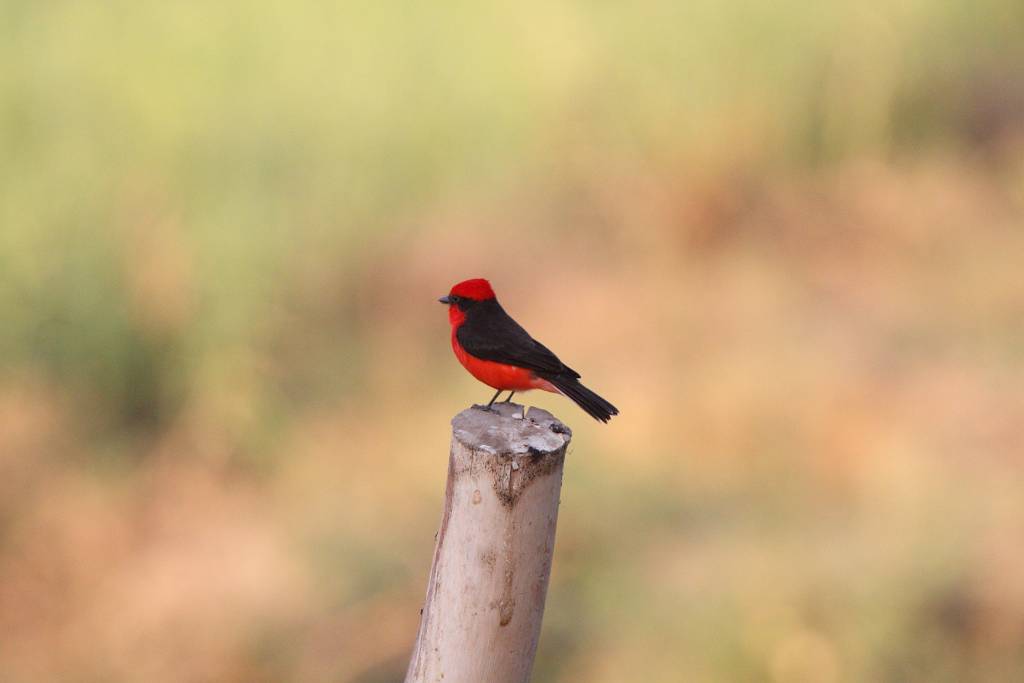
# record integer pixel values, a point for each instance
(489, 577)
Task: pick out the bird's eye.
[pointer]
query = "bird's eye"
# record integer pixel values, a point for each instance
(454, 299)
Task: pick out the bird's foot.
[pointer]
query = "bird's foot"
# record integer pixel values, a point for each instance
(502, 409)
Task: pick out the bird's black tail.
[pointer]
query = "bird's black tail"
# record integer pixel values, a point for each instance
(594, 405)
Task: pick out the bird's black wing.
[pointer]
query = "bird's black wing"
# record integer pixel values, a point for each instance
(491, 334)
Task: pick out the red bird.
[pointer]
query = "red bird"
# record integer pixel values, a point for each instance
(501, 354)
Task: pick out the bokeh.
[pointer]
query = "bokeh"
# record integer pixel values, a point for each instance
(786, 239)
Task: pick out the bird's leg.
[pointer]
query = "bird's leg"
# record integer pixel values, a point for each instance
(509, 399)
(493, 398)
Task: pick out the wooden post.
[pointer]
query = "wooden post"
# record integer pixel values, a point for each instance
(489, 578)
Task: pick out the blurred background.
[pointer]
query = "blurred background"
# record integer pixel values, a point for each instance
(785, 238)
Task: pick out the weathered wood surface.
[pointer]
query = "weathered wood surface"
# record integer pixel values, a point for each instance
(488, 581)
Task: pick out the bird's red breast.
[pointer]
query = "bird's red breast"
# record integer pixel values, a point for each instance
(497, 375)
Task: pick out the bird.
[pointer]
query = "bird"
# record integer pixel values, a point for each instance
(497, 351)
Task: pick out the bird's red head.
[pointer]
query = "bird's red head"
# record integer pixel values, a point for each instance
(477, 289)
(463, 296)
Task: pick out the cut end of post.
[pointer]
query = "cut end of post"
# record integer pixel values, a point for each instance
(516, 447)
(510, 429)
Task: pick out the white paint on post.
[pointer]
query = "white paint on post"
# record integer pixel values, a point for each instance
(489, 578)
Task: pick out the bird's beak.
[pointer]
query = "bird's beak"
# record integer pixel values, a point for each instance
(445, 300)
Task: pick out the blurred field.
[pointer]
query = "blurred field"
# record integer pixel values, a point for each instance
(786, 239)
